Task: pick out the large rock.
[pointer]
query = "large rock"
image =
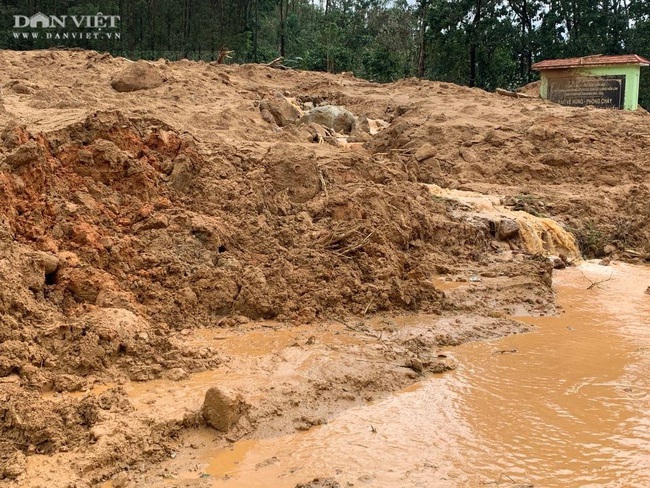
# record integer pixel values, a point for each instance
(281, 110)
(137, 76)
(507, 229)
(222, 408)
(426, 151)
(337, 118)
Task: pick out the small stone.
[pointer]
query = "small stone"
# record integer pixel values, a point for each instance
(22, 89)
(647, 291)
(50, 261)
(98, 431)
(177, 374)
(267, 116)
(557, 262)
(609, 249)
(416, 365)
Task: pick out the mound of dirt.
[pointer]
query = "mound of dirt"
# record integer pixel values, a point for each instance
(531, 89)
(133, 222)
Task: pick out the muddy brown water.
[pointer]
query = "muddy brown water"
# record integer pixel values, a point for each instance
(565, 406)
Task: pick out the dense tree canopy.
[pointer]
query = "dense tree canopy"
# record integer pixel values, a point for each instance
(486, 43)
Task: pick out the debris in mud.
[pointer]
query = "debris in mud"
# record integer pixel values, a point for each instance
(222, 409)
(12, 465)
(505, 351)
(320, 483)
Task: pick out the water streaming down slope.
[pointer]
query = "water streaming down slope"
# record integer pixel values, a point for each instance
(565, 406)
(537, 235)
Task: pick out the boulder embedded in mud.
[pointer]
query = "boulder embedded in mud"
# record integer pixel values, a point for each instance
(137, 76)
(507, 229)
(281, 110)
(49, 261)
(22, 89)
(222, 408)
(181, 175)
(337, 118)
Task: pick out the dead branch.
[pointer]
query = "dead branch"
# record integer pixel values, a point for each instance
(505, 351)
(348, 249)
(365, 310)
(511, 94)
(332, 240)
(323, 184)
(277, 63)
(594, 284)
(224, 54)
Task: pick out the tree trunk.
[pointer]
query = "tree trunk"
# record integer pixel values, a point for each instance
(283, 20)
(424, 6)
(474, 45)
(256, 27)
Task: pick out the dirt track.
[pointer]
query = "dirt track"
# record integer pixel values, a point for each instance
(137, 226)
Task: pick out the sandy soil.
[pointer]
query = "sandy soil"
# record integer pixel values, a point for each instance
(145, 233)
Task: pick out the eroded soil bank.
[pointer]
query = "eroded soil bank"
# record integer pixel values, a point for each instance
(212, 229)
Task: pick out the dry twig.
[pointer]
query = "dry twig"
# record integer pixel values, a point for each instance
(594, 284)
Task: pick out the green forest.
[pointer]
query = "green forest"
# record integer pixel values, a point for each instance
(483, 43)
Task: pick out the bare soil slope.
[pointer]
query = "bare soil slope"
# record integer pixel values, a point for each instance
(130, 220)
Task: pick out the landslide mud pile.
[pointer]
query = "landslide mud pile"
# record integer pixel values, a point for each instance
(584, 167)
(222, 194)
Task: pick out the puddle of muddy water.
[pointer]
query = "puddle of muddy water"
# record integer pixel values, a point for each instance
(565, 406)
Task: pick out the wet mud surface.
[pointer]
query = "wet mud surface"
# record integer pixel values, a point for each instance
(563, 406)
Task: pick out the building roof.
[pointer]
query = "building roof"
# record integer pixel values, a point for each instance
(586, 61)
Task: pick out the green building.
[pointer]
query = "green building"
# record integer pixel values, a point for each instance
(601, 81)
